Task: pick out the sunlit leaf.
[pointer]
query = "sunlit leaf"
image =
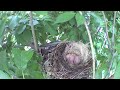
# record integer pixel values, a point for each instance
(2, 27)
(98, 18)
(117, 72)
(21, 58)
(117, 47)
(79, 19)
(38, 13)
(3, 61)
(118, 20)
(49, 28)
(99, 72)
(4, 75)
(64, 17)
(14, 22)
(35, 22)
(21, 28)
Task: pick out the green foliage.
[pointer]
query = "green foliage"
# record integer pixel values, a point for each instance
(3, 61)
(13, 22)
(117, 47)
(80, 19)
(15, 34)
(38, 13)
(2, 28)
(21, 58)
(117, 72)
(64, 17)
(4, 75)
(20, 28)
(24, 38)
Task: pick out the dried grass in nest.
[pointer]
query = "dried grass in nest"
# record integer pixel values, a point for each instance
(56, 65)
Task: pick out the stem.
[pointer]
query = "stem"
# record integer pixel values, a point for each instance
(33, 31)
(23, 75)
(92, 48)
(109, 44)
(113, 37)
(113, 31)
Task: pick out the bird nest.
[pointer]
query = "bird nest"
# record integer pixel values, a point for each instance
(67, 60)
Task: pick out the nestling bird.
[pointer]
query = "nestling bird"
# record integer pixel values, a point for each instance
(67, 60)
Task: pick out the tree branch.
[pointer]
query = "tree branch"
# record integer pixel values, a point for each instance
(91, 44)
(33, 32)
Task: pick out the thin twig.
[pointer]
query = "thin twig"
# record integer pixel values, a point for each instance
(109, 44)
(91, 44)
(113, 37)
(33, 32)
(23, 75)
(113, 31)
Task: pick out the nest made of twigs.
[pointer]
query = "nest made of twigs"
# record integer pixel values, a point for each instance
(67, 60)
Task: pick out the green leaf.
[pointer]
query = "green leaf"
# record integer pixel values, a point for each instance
(111, 30)
(85, 36)
(118, 20)
(14, 22)
(110, 34)
(117, 47)
(72, 35)
(72, 22)
(117, 72)
(33, 65)
(35, 22)
(36, 75)
(50, 29)
(97, 18)
(99, 70)
(3, 61)
(64, 17)
(21, 58)
(114, 63)
(18, 72)
(24, 21)
(38, 13)
(2, 27)
(24, 38)
(21, 28)
(42, 35)
(101, 57)
(4, 75)
(79, 19)
(98, 74)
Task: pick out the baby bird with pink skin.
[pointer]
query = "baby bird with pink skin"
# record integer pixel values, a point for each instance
(73, 59)
(76, 53)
